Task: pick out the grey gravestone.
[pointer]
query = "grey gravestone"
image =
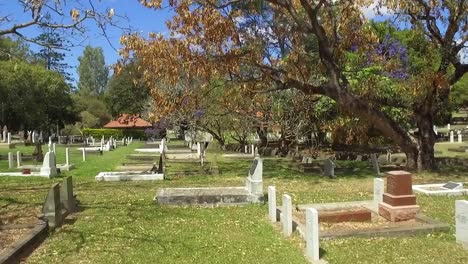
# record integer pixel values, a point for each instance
(254, 180)
(49, 166)
(461, 222)
(38, 155)
(66, 195)
(453, 186)
(329, 168)
(375, 163)
(52, 208)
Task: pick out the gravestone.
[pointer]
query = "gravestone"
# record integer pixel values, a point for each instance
(272, 203)
(37, 154)
(399, 202)
(312, 234)
(375, 163)
(329, 168)
(461, 222)
(9, 138)
(10, 160)
(67, 156)
(254, 180)
(52, 208)
(49, 166)
(451, 137)
(460, 137)
(84, 154)
(5, 131)
(18, 159)
(66, 195)
(286, 215)
(448, 126)
(453, 186)
(379, 186)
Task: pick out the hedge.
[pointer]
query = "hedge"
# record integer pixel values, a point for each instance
(115, 133)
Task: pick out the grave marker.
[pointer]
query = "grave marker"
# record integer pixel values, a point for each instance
(379, 186)
(287, 215)
(272, 203)
(453, 186)
(54, 147)
(66, 195)
(9, 138)
(52, 208)
(49, 166)
(312, 234)
(10, 160)
(461, 222)
(254, 180)
(67, 156)
(460, 137)
(451, 137)
(18, 159)
(329, 168)
(84, 154)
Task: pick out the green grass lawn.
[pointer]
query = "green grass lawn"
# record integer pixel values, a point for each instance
(120, 223)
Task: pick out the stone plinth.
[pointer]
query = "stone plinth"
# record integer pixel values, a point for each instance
(399, 202)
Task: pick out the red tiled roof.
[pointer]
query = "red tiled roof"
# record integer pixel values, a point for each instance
(128, 121)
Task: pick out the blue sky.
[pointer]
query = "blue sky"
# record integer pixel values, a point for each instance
(141, 19)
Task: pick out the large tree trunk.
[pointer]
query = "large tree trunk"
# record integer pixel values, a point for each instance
(426, 141)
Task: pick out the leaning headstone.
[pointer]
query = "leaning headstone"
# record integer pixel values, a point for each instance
(52, 208)
(461, 222)
(312, 234)
(18, 159)
(451, 137)
(49, 166)
(329, 168)
(286, 215)
(66, 195)
(375, 163)
(272, 203)
(379, 187)
(10, 160)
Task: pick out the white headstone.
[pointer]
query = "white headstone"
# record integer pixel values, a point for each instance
(379, 188)
(9, 138)
(448, 126)
(256, 152)
(287, 215)
(33, 137)
(54, 147)
(375, 163)
(312, 234)
(451, 137)
(19, 159)
(198, 149)
(49, 167)
(10, 160)
(460, 138)
(4, 136)
(84, 154)
(67, 156)
(461, 222)
(246, 149)
(272, 203)
(254, 180)
(252, 150)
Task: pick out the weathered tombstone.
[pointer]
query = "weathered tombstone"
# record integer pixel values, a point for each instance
(254, 180)
(304, 160)
(39, 156)
(9, 138)
(272, 203)
(451, 137)
(379, 186)
(375, 163)
(286, 215)
(359, 158)
(66, 195)
(399, 202)
(18, 159)
(329, 168)
(67, 156)
(461, 222)
(10, 160)
(52, 208)
(49, 166)
(312, 234)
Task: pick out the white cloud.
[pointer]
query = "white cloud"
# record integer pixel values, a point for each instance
(374, 10)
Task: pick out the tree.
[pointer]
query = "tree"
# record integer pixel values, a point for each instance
(12, 49)
(72, 19)
(304, 45)
(33, 97)
(50, 53)
(126, 93)
(92, 71)
(93, 111)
